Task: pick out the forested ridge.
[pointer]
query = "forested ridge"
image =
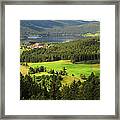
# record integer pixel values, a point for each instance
(85, 50)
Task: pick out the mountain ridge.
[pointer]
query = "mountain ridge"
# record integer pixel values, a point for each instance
(47, 28)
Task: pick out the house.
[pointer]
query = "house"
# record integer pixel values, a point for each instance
(36, 45)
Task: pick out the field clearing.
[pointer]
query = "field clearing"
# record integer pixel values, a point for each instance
(91, 35)
(75, 69)
(24, 69)
(69, 79)
(40, 74)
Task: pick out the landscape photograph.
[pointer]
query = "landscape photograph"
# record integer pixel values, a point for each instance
(59, 60)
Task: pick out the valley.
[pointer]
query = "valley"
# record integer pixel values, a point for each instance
(59, 60)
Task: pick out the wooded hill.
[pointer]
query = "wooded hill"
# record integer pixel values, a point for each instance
(49, 30)
(85, 50)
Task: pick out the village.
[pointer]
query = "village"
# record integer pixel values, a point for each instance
(33, 45)
(37, 45)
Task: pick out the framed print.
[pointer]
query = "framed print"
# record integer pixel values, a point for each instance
(60, 59)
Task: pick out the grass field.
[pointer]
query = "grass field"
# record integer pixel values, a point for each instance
(75, 69)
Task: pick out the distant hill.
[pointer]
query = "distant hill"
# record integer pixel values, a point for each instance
(50, 29)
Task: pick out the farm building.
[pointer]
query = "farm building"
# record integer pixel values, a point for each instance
(36, 45)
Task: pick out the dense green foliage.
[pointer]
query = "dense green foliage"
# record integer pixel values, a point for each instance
(48, 87)
(84, 51)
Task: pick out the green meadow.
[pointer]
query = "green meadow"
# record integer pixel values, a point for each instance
(76, 69)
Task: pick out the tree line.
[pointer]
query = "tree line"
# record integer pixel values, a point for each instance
(85, 50)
